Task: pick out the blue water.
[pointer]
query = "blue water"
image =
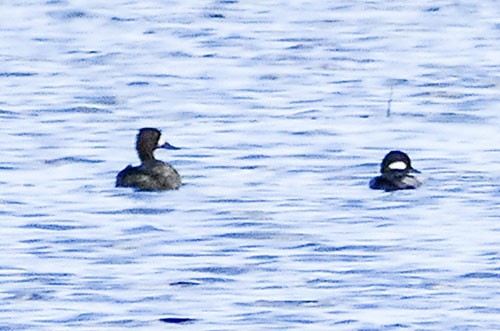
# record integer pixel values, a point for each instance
(284, 111)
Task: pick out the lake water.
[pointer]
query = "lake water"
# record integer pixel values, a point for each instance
(283, 110)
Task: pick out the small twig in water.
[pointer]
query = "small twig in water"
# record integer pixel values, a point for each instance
(389, 104)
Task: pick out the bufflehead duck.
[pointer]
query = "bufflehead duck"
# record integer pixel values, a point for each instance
(397, 173)
(152, 174)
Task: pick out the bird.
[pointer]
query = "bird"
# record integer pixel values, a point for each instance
(396, 173)
(151, 174)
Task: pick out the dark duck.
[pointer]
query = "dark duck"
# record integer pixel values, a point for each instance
(397, 173)
(152, 174)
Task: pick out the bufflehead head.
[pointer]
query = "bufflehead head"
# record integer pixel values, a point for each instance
(397, 173)
(149, 139)
(396, 161)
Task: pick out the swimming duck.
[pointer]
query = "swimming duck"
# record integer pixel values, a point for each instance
(397, 173)
(152, 174)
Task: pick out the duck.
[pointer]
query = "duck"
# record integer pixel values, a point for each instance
(151, 174)
(396, 173)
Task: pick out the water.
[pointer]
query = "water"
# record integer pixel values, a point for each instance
(281, 109)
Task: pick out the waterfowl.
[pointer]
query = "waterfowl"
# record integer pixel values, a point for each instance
(151, 174)
(396, 173)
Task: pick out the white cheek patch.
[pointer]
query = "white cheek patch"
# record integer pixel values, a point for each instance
(162, 141)
(398, 165)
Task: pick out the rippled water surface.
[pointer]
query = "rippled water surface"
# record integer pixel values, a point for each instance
(283, 110)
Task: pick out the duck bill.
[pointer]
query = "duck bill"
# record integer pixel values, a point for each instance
(168, 146)
(414, 171)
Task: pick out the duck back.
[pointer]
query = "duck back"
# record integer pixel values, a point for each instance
(392, 183)
(152, 175)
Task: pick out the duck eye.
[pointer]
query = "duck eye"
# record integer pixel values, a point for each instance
(398, 165)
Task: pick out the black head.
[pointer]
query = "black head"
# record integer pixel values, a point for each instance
(396, 161)
(149, 139)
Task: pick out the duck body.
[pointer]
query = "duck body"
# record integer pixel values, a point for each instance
(395, 182)
(152, 174)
